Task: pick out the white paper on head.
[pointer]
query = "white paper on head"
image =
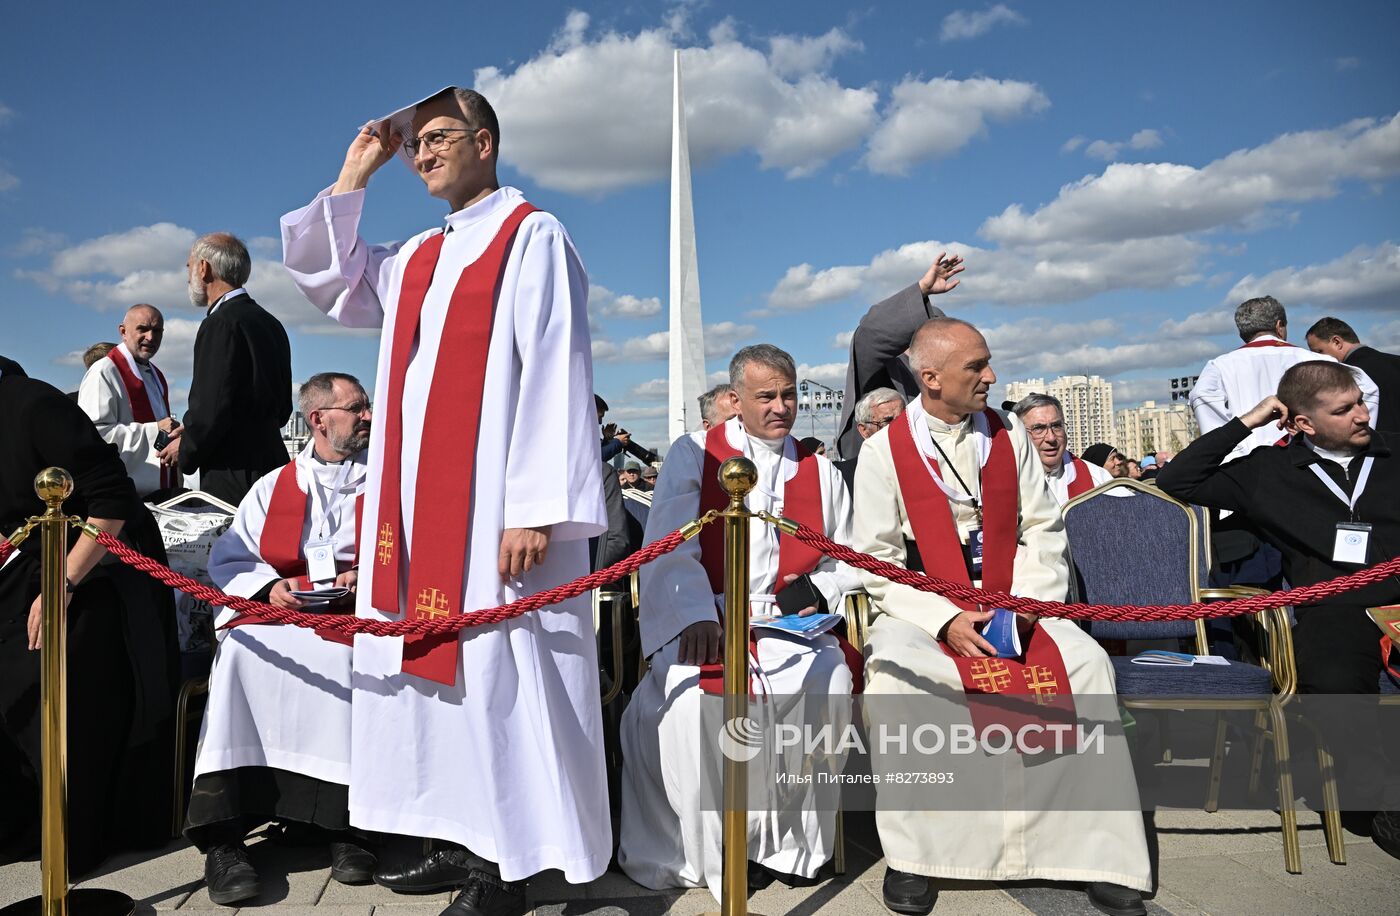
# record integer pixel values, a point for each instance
(401, 122)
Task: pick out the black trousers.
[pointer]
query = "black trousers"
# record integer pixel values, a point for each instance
(1338, 652)
(225, 805)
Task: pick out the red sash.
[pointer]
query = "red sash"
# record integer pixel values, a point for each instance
(1041, 674)
(1083, 481)
(141, 411)
(442, 514)
(802, 502)
(1267, 342)
(280, 545)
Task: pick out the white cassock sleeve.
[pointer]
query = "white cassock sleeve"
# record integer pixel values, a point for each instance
(102, 397)
(334, 268)
(675, 588)
(235, 562)
(831, 578)
(554, 468)
(1209, 401)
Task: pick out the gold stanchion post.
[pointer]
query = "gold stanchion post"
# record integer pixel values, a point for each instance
(738, 476)
(54, 485)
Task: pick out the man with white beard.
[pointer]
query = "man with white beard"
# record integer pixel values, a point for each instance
(671, 822)
(275, 744)
(128, 400)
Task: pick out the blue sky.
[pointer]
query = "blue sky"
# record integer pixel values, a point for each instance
(1117, 175)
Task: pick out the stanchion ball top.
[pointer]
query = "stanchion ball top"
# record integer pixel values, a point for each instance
(738, 476)
(53, 485)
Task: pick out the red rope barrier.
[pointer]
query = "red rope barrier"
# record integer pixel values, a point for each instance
(1294, 596)
(6, 548)
(345, 623)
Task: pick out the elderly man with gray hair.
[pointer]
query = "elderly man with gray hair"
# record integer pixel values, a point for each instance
(873, 412)
(240, 397)
(1065, 475)
(670, 806)
(716, 405)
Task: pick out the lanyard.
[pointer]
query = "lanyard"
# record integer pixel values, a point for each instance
(325, 505)
(1356, 490)
(965, 496)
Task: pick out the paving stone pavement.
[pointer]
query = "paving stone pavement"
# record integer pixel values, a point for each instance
(1228, 863)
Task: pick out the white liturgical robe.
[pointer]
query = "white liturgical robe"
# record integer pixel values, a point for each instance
(508, 761)
(1060, 479)
(1235, 382)
(671, 821)
(103, 397)
(1011, 837)
(279, 696)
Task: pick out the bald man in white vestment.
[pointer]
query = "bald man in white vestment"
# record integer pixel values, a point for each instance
(671, 820)
(485, 471)
(275, 742)
(966, 468)
(128, 399)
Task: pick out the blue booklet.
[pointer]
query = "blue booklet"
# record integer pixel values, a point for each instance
(1001, 631)
(809, 627)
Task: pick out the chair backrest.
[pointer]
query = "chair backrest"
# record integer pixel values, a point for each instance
(1139, 550)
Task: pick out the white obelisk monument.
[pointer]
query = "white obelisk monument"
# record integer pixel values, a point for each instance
(687, 370)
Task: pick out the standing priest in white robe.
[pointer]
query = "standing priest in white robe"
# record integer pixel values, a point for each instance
(671, 820)
(275, 744)
(485, 471)
(924, 484)
(1066, 475)
(128, 400)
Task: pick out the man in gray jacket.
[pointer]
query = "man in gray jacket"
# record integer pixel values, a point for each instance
(878, 346)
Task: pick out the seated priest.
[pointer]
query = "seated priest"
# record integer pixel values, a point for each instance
(955, 489)
(276, 738)
(1067, 476)
(671, 821)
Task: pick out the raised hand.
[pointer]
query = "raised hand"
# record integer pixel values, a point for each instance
(367, 152)
(939, 278)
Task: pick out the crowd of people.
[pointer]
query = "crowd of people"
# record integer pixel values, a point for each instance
(491, 744)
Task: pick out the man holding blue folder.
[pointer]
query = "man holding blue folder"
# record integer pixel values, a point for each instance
(956, 490)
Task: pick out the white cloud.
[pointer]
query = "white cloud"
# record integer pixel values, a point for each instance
(1103, 149)
(1147, 138)
(37, 241)
(938, 117)
(721, 339)
(1108, 150)
(793, 55)
(7, 114)
(963, 24)
(606, 302)
(8, 180)
(738, 98)
(833, 374)
(657, 389)
(1047, 273)
(842, 341)
(1346, 63)
(1365, 277)
(1385, 337)
(1151, 200)
(1073, 143)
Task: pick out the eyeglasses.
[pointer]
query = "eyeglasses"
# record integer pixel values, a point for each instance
(358, 407)
(436, 141)
(1039, 430)
(881, 423)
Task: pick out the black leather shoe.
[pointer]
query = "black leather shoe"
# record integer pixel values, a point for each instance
(229, 875)
(351, 864)
(1115, 899)
(438, 871)
(906, 893)
(1385, 832)
(759, 877)
(487, 895)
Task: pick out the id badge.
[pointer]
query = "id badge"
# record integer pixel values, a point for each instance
(974, 551)
(320, 562)
(1353, 540)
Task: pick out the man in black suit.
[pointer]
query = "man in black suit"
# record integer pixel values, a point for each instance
(1336, 471)
(1334, 337)
(241, 395)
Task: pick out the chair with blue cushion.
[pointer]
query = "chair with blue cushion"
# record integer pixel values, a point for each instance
(1148, 549)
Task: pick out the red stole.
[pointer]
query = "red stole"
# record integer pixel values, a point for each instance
(442, 514)
(1042, 672)
(802, 502)
(1083, 481)
(141, 411)
(280, 545)
(1267, 342)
